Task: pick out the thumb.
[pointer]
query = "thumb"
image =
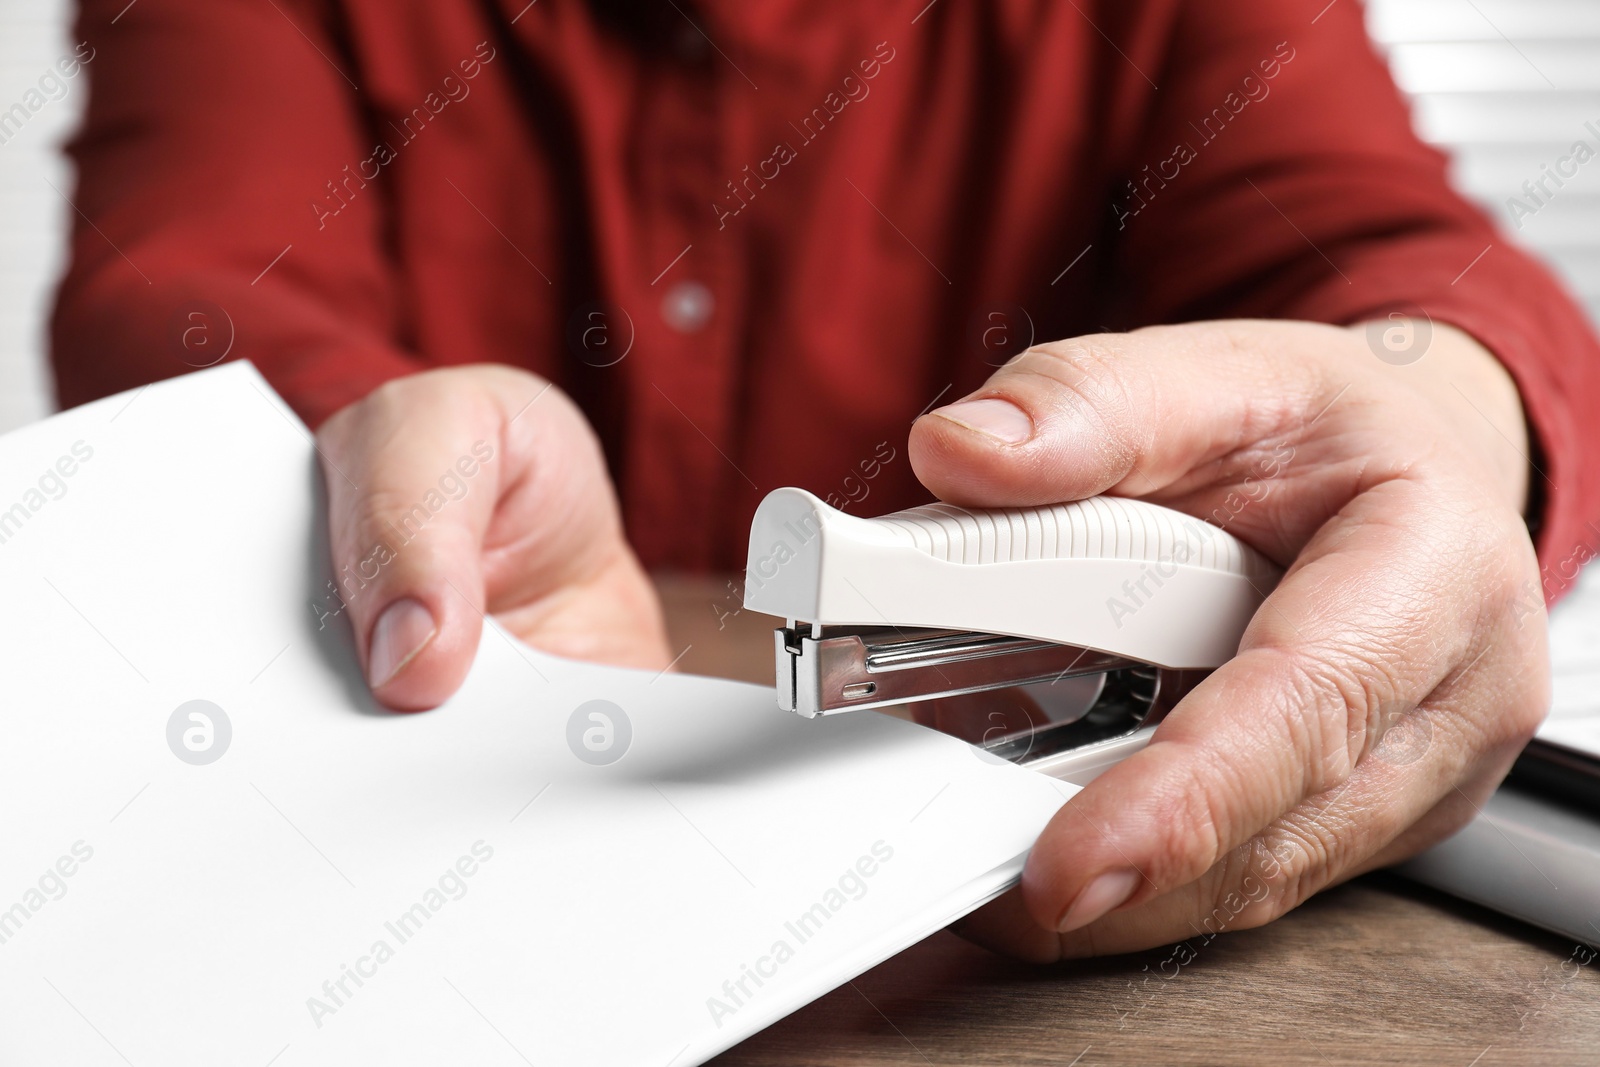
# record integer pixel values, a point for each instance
(412, 477)
(1126, 413)
(451, 494)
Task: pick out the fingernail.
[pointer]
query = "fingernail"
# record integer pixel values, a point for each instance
(1000, 419)
(403, 630)
(1106, 892)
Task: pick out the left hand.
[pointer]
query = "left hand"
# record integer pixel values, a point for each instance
(1384, 687)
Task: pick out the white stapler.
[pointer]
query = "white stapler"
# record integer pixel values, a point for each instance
(1102, 602)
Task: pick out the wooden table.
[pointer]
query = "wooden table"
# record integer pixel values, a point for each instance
(1379, 971)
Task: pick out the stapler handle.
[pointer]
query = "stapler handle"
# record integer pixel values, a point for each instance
(1116, 576)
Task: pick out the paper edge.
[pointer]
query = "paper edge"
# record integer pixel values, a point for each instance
(852, 965)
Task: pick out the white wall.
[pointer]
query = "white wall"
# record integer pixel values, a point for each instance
(33, 217)
(1510, 83)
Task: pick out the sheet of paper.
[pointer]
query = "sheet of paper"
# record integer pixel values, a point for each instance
(1575, 667)
(286, 875)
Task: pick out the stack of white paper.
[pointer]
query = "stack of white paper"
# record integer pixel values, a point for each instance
(1575, 666)
(287, 875)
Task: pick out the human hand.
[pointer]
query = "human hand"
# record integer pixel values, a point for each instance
(477, 489)
(1382, 690)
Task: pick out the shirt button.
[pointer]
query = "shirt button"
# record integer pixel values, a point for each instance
(687, 307)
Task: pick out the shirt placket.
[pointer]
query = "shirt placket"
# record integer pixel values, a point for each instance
(683, 446)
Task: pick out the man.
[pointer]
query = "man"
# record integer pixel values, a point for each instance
(759, 244)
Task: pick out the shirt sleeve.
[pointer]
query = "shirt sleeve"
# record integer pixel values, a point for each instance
(211, 132)
(1274, 174)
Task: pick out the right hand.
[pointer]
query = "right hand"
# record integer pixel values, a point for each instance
(532, 534)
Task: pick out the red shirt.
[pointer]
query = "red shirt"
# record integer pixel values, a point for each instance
(755, 240)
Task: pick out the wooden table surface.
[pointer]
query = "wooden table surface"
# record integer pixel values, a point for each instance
(1379, 971)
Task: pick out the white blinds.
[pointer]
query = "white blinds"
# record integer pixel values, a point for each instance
(1511, 87)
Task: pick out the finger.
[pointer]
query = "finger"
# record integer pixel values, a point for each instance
(558, 570)
(1307, 850)
(415, 475)
(1339, 640)
(1369, 822)
(1125, 413)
